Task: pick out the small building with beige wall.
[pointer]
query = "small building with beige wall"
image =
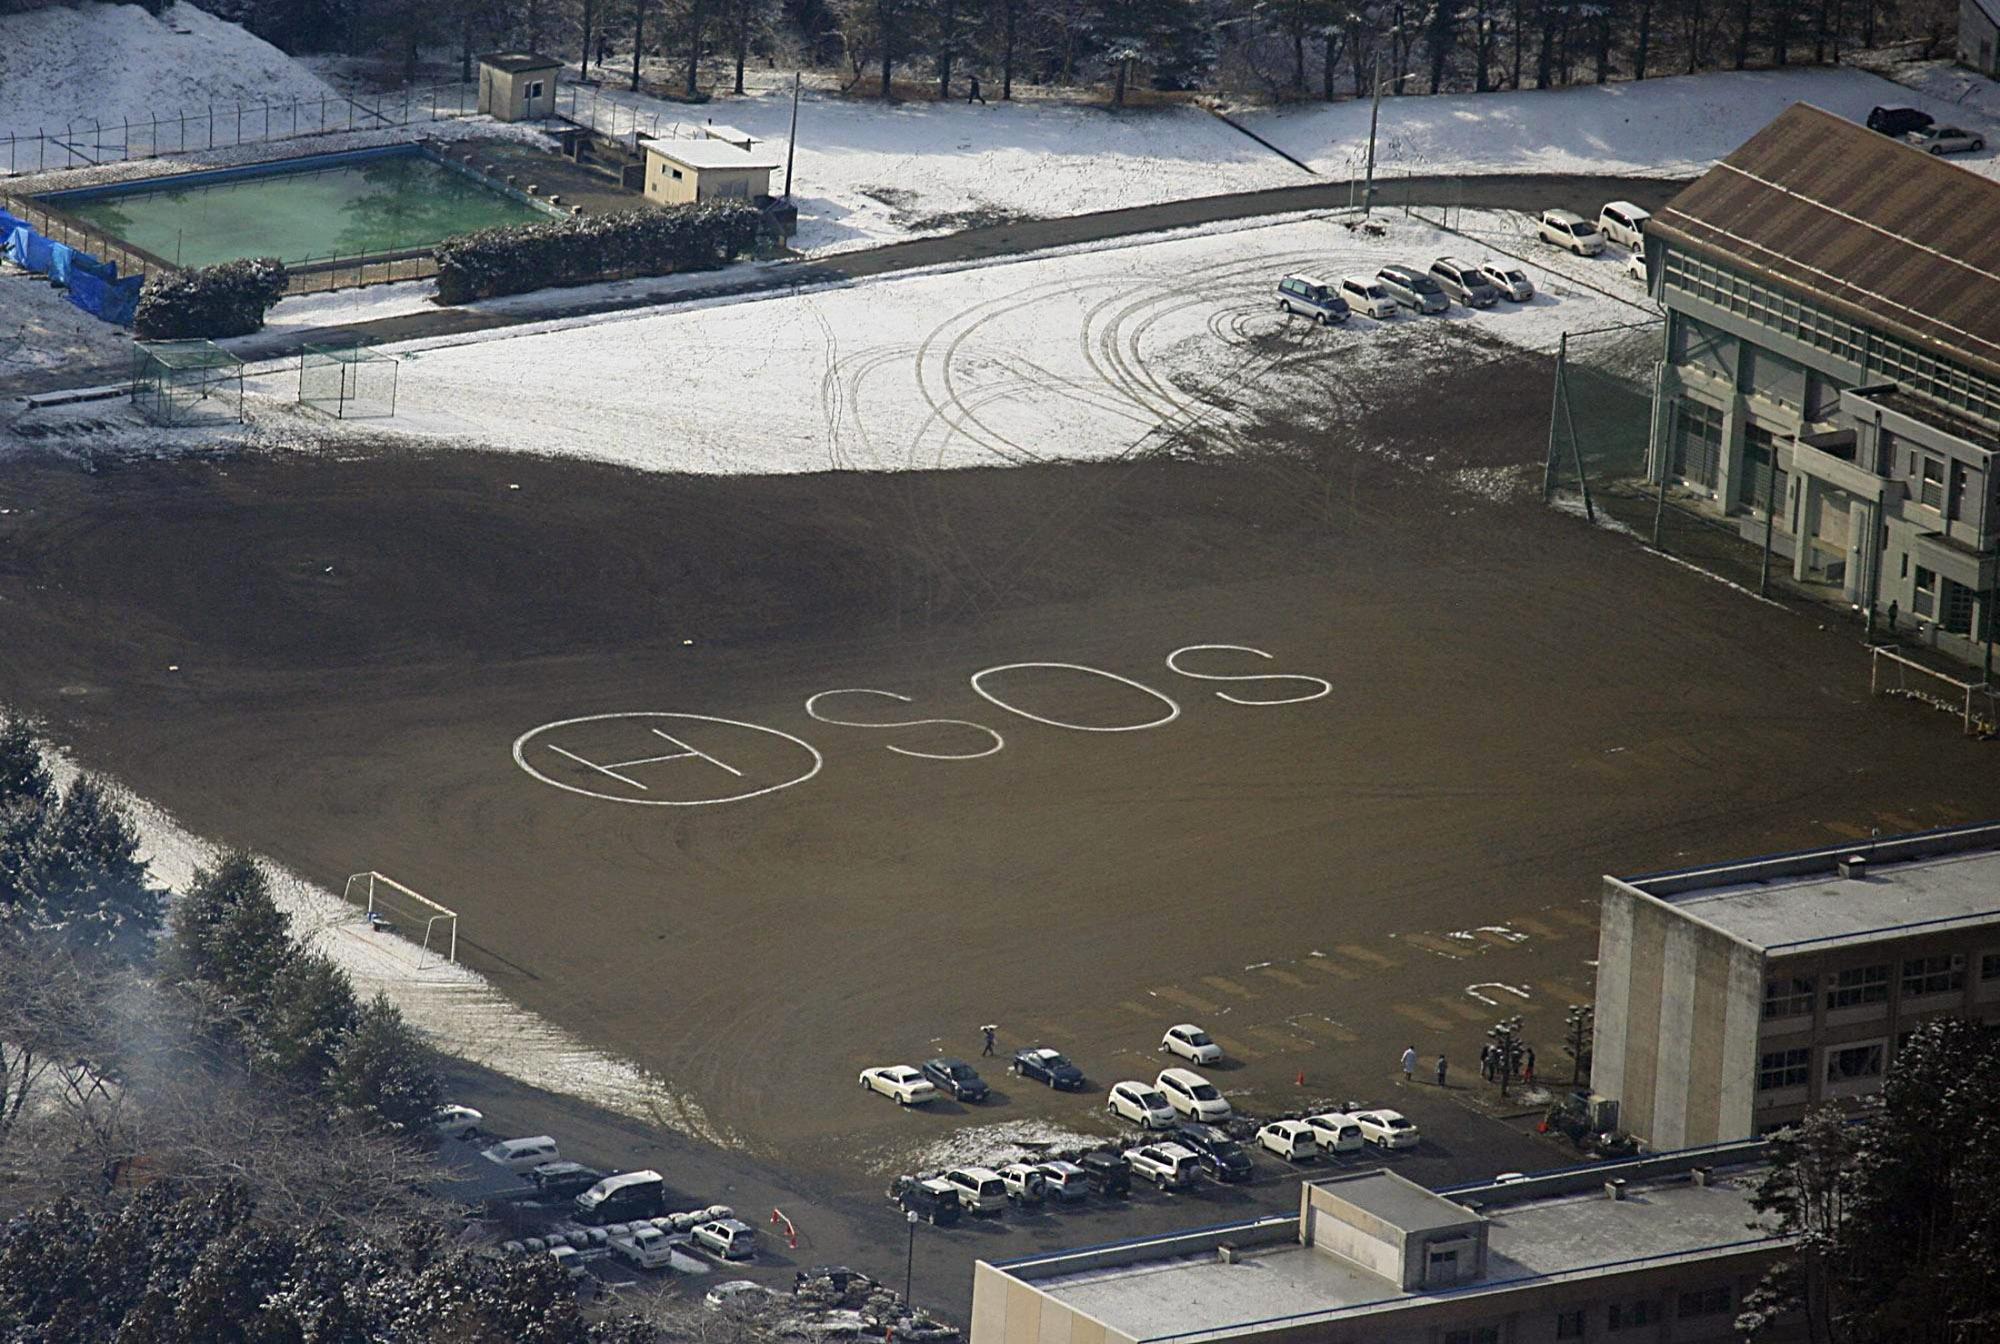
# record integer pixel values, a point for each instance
(518, 85)
(679, 172)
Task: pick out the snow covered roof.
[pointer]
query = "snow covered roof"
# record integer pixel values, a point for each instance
(517, 62)
(702, 154)
(1861, 221)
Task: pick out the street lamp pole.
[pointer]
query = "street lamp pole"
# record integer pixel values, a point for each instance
(910, 1260)
(1374, 115)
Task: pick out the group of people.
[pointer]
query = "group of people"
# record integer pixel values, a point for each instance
(1513, 1060)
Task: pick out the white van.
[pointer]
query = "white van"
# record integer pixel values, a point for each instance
(1624, 224)
(1366, 294)
(1311, 296)
(980, 1189)
(522, 1156)
(622, 1198)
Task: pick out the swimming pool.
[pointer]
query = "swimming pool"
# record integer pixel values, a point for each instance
(362, 203)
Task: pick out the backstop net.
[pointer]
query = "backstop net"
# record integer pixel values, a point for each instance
(177, 383)
(396, 911)
(347, 381)
(1601, 413)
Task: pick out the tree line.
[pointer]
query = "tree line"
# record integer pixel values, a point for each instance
(1282, 49)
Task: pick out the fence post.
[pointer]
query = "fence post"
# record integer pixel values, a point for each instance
(211, 125)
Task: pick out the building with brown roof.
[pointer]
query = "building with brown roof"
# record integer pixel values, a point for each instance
(1831, 373)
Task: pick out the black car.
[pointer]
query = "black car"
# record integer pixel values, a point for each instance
(1221, 1156)
(561, 1180)
(1109, 1176)
(1048, 1066)
(933, 1200)
(1898, 121)
(956, 1077)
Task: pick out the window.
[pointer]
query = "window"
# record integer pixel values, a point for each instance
(1706, 1302)
(1955, 608)
(676, 172)
(1783, 1068)
(1924, 601)
(1930, 488)
(1569, 1324)
(1788, 996)
(1697, 443)
(1632, 1315)
(1854, 1063)
(1989, 966)
(1763, 479)
(1480, 1334)
(534, 90)
(1933, 975)
(1863, 984)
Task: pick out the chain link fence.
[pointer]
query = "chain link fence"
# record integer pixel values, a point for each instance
(1601, 412)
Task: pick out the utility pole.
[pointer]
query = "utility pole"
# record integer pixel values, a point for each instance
(910, 1260)
(1770, 516)
(1577, 1039)
(1374, 115)
(791, 148)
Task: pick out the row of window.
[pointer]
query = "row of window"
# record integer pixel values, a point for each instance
(1572, 1323)
(1859, 986)
(1877, 353)
(1779, 1069)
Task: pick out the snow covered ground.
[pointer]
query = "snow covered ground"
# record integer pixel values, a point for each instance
(1078, 355)
(1673, 127)
(41, 330)
(88, 63)
(866, 173)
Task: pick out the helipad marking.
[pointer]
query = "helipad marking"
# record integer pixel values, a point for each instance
(521, 759)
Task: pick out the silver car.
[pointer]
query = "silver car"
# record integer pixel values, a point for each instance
(1413, 289)
(1464, 282)
(1945, 140)
(1511, 281)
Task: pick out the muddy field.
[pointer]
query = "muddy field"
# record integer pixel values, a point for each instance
(1469, 709)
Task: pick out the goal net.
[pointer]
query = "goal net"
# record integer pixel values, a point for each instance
(347, 382)
(1975, 704)
(394, 910)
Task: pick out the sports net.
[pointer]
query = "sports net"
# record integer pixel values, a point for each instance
(1601, 415)
(394, 910)
(1975, 704)
(347, 382)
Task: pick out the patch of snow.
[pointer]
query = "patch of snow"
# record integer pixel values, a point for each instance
(987, 1146)
(1674, 127)
(40, 329)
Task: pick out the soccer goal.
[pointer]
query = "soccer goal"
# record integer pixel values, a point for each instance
(1975, 704)
(395, 909)
(347, 381)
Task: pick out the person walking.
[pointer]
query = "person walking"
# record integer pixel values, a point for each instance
(1528, 1063)
(1410, 1064)
(1486, 1061)
(1441, 1068)
(975, 96)
(988, 1032)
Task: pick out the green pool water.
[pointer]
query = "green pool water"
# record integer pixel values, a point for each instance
(341, 210)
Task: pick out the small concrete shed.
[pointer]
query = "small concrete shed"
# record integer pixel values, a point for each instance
(680, 171)
(517, 85)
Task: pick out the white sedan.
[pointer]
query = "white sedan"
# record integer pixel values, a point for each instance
(1193, 1095)
(455, 1122)
(907, 1085)
(1387, 1129)
(1635, 267)
(1142, 1105)
(1191, 1043)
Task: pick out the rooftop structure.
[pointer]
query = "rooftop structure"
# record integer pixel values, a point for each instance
(709, 152)
(519, 62)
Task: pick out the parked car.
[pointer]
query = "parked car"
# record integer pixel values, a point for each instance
(643, 1246)
(522, 1156)
(1623, 223)
(1043, 1065)
(456, 1122)
(1336, 1132)
(1414, 289)
(1311, 297)
(1464, 282)
(1635, 267)
(1066, 1181)
(933, 1200)
(564, 1180)
(1570, 231)
(727, 1238)
(570, 1261)
(1024, 1182)
(1221, 1157)
(980, 1189)
(1387, 1129)
(1191, 1043)
(1897, 120)
(1142, 1105)
(1193, 1095)
(1293, 1140)
(1510, 280)
(741, 1295)
(1108, 1174)
(908, 1086)
(1167, 1165)
(1365, 294)
(621, 1198)
(1946, 140)
(956, 1078)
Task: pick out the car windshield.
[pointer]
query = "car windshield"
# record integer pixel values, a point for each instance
(1423, 284)
(1518, 277)
(960, 1071)
(1199, 1038)
(1152, 1101)
(1375, 291)
(1205, 1092)
(1583, 227)
(1055, 1061)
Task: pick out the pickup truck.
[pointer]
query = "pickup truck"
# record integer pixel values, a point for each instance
(644, 1247)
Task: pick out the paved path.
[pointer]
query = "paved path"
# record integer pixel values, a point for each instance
(1527, 192)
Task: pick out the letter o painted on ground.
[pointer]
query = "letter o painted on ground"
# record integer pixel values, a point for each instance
(1173, 708)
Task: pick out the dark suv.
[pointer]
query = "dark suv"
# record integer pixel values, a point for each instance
(935, 1201)
(956, 1077)
(1221, 1156)
(1109, 1176)
(562, 1180)
(1898, 121)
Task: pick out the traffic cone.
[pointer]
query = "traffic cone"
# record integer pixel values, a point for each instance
(1300, 1081)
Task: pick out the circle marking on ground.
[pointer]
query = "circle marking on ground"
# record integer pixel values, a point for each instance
(521, 758)
(1173, 706)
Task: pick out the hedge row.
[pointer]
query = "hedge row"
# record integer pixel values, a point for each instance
(589, 248)
(207, 301)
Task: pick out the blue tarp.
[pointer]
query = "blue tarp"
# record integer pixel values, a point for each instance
(111, 300)
(92, 285)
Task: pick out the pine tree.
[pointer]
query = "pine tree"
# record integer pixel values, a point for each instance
(312, 1009)
(84, 879)
(385, 1071)
(230, 934)
(27, 796)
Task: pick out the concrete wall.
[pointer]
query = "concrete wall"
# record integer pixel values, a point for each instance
(1335, 1227)
(1676, 1014)
(1978, 39)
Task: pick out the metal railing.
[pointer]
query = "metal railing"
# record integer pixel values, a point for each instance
(83, 143)
(321, 277)
(71, 234)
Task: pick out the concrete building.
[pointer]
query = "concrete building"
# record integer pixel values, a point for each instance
(1731, 997)
(705, 169)
(1660, 1249)
(1832, 360)
(1979, 35)
(517, 85)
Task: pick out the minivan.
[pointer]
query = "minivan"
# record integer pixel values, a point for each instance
(1413, 289)
(1312, 297)
(522, 1156)
(622, 1198)
(1624, 224)
(1066, 1181)
(564, 1180)
(1365, 294)
(1571, 232)
(980, 1190)
(1109, 1175)
(1898, 121)
(1464, 282)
